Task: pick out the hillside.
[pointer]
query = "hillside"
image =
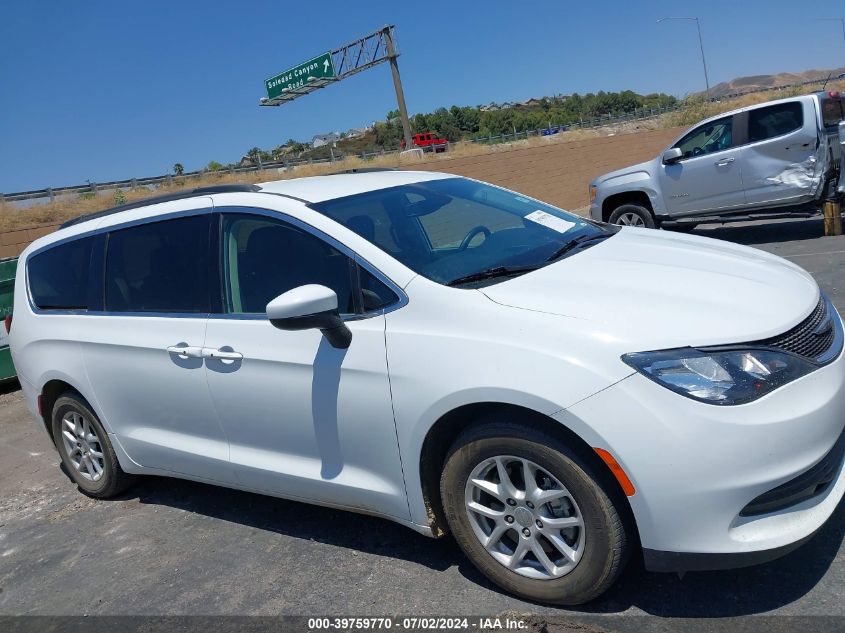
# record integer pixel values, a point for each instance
(762, 82)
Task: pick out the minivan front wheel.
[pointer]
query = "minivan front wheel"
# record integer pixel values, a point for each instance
(531, 515)
(632, 215)
(85, 448)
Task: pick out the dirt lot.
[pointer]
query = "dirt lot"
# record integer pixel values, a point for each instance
(553, 169)
(558, 173)
(174, 547)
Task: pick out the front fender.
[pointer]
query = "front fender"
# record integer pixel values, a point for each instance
(641, 178)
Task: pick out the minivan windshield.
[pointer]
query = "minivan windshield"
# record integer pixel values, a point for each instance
(460, 232)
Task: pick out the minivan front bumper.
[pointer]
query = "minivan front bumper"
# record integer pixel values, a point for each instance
(696, 467)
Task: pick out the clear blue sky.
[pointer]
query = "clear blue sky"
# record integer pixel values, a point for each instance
(104, 90)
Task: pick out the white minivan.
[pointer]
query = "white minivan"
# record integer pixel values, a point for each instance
(556, 392)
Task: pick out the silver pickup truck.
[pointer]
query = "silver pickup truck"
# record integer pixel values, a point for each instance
(775, 159)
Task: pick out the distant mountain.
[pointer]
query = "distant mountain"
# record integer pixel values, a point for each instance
(763, 82)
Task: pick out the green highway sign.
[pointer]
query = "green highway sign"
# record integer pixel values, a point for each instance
(320, 67)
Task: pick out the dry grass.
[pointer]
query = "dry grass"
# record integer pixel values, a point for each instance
(61, 209)
(65, 208)
(698, 109)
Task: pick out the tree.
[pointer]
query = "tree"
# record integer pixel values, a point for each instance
(459, 122)
(178, 169)
(388, 135)
(296, 146)
(214, 166)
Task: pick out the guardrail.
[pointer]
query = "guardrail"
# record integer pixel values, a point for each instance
(134, 183)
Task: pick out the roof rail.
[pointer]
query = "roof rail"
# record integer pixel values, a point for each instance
(170, 197)
(362, 170)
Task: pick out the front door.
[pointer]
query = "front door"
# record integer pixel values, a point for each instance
(143, 353)
(304, 420)
(708, 175)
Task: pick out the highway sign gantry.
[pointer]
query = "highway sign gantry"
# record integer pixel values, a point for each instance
(321, 68)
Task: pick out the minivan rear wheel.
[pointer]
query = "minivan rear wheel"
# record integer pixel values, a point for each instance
(85, 448)
(632, 215)
(531, 514)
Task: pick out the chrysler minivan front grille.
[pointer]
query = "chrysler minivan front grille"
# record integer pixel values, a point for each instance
(812, 338)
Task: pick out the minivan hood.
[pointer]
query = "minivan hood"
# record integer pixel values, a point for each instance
(657, 290)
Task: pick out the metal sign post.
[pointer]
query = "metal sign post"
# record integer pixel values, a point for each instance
(348, 60)
(397, 84)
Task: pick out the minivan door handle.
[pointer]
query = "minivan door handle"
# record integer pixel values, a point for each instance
(185, 350)
(220, 354)
(724, 161)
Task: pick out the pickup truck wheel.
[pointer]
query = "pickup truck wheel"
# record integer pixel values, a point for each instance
(632, 215)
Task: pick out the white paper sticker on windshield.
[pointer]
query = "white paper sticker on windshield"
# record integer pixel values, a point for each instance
(551, 221)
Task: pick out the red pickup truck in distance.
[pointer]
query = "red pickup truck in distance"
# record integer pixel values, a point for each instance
(428, 142)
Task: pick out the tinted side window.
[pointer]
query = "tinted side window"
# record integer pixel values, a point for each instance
(159, 267)
(714, 136)
(774, 120)
(264, 258)
(58, 277)
(375, 294)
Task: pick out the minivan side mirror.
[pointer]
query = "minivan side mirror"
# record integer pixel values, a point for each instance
(672, 155)
(310, 307)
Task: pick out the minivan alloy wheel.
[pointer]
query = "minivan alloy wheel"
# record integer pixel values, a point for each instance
(82, 445)
(524, 517)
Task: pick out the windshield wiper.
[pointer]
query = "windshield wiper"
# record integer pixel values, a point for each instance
(491, 273)
(578, 242)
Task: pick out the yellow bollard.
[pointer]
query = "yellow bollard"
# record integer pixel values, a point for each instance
(832, 218)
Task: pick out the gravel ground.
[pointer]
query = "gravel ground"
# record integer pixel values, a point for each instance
(175, 547)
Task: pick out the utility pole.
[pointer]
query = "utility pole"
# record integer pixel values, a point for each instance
(397, 84)
(700, 45)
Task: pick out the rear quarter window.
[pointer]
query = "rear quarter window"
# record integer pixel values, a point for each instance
(776, 120)
(58, 276)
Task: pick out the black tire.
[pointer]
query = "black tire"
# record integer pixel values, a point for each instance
(112, 480)
(606, 544)
(632, 211)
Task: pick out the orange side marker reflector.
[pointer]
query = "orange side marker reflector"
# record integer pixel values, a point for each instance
(616, 469)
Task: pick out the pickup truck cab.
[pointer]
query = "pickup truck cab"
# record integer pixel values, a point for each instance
(428, 142)
(774, 159)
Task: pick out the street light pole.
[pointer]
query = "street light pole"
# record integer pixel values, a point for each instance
(700, 45)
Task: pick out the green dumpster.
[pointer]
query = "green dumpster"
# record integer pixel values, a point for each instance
(7, 294)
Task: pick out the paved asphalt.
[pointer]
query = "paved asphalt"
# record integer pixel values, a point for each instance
(175, 547)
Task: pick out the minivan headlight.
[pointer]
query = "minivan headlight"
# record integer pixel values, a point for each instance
(720, 377)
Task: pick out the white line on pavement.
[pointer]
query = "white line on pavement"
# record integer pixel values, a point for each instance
(811, 254)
